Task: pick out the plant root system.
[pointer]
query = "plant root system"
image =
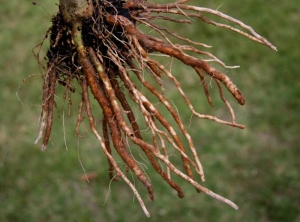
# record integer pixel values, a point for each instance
(102, 48)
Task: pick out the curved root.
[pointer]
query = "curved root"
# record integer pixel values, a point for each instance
(101, 47)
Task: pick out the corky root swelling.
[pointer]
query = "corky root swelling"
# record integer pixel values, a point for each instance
(98, 44)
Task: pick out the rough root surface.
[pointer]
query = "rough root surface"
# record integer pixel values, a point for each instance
(104, 52)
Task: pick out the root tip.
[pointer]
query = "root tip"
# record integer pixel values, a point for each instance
(180, 194)
(43, 148)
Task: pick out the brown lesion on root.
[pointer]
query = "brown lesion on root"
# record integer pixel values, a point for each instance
(102, 49)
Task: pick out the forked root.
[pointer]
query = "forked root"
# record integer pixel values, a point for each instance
(104, 147)
(101, 47)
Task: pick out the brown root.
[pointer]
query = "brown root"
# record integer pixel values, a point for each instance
(100, 47)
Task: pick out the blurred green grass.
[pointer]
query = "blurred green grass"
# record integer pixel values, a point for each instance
(258, 168)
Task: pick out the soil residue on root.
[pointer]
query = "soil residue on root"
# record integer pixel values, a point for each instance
(103, 50)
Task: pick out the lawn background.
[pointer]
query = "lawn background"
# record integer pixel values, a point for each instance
(257, 168)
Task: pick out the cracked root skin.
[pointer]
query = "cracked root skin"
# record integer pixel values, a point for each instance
(97, 43)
